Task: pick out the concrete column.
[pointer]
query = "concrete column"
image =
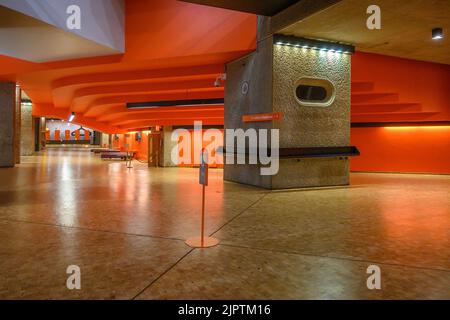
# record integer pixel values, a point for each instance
(271, 75)
(105, 140)
(27, 137)
(167, 147)
(40, 124)
(17, 124)
(7, 124)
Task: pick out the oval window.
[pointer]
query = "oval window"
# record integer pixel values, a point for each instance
(314, 92)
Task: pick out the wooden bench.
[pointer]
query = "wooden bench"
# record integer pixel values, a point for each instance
(118, 155)
(114, 155)
(103, 151)
(97, 150)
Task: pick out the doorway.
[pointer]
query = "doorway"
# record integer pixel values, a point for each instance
(154, 149)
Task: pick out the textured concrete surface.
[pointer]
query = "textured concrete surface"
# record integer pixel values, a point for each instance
(7, 124)
(300, 173)
(26, 132)
(168, 145)
(126, 230)
(273, 72)
(305, 126)
(17, 124)
(256, 70)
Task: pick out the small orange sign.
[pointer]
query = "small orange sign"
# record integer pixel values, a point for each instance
(262, 117)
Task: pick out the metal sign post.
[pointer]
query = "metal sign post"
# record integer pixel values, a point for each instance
(128, 156)
(202, 241)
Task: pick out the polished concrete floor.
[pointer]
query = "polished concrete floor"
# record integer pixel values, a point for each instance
(125, 229)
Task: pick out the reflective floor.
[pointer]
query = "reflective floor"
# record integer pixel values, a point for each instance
(125, 229)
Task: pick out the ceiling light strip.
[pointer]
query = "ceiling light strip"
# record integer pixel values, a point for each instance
(292, 41)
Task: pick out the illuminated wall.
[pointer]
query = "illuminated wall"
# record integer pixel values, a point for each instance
(424, 149)
(388, 92)
(65, 131)
(184, 148)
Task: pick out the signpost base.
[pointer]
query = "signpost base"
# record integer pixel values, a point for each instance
(208, 242)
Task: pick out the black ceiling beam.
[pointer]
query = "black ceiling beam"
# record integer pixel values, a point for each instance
(175, 103)
(260, 7)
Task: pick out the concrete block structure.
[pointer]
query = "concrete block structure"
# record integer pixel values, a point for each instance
(272, 74)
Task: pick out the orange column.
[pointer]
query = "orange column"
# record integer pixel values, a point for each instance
(77, 135)
(67, 134)
(57, 135)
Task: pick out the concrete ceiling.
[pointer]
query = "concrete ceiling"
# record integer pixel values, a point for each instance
(405, 30)
(27, 38)
(261, 7)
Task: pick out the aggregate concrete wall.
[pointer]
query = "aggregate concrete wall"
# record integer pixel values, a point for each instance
(256, 72)
(167, 146)
(27, 131)
(7, 123)
(306, 126)
(272, 73)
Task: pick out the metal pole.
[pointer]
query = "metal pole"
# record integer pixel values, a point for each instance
(203, 215)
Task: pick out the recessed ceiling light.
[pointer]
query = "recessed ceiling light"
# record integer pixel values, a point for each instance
(437, 34)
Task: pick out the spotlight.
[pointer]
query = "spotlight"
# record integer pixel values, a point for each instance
(437, 34)
(72, 116)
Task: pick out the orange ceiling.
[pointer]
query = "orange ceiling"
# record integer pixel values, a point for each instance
(174, 50)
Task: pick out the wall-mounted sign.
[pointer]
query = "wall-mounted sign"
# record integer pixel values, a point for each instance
(203, 174)
(262, 117)
(245, 88)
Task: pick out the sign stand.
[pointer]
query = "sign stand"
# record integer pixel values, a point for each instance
(202, 241)
(128, 157)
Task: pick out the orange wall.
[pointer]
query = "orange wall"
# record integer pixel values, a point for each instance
(415, 81)
(141, 147)
(410, 149)
(402, 149)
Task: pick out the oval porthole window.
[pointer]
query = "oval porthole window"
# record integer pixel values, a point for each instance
(315, 92)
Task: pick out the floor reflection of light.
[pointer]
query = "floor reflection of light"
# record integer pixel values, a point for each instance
(67, 199)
